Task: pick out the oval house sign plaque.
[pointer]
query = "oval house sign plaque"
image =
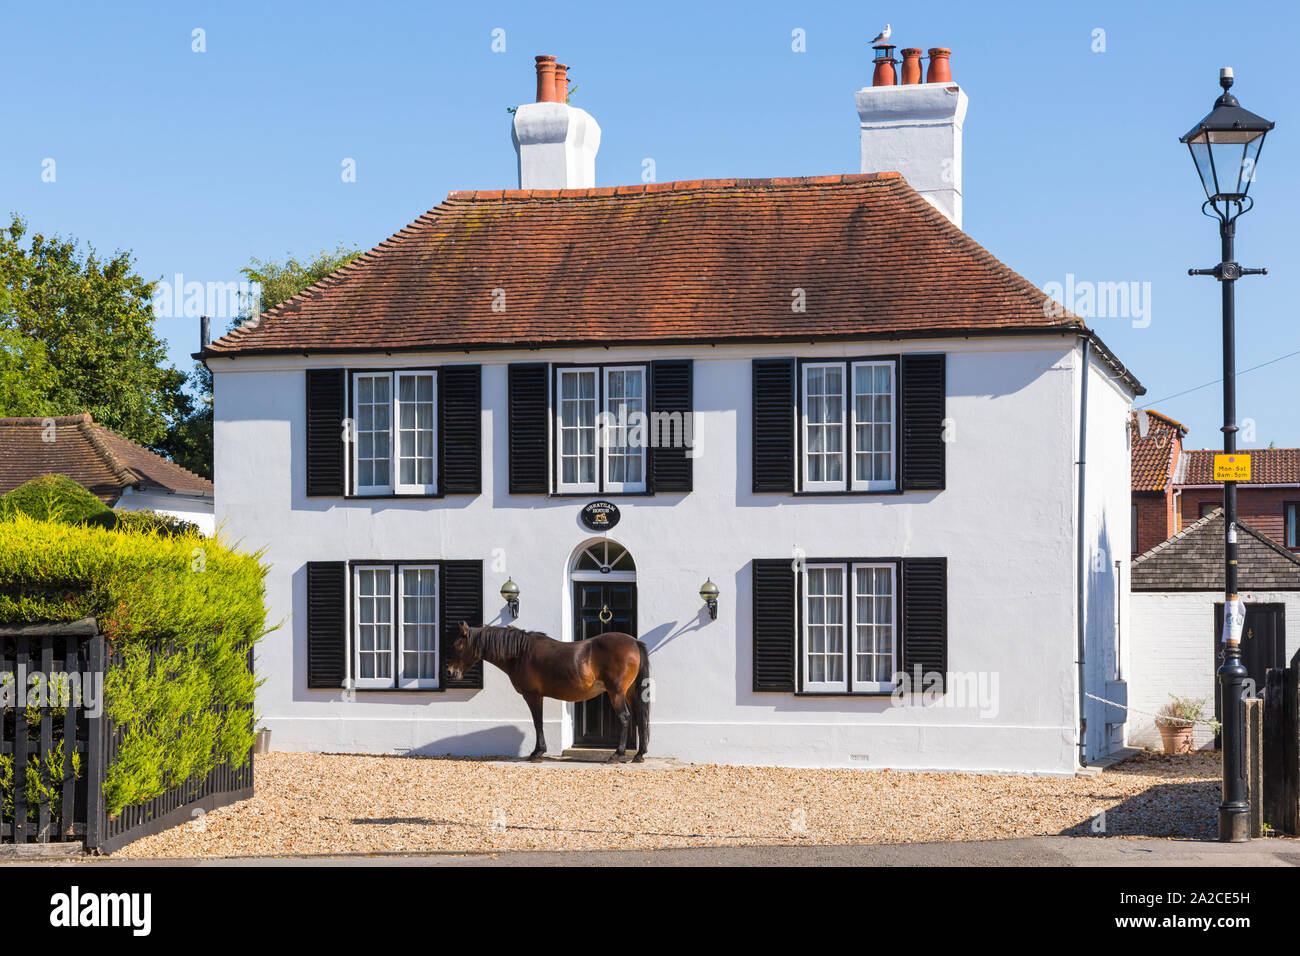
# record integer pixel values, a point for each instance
(600, 515)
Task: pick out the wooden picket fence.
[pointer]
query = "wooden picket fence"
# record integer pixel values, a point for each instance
(62, 752)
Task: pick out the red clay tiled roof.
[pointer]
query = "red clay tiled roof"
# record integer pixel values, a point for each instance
(1153, 456)
(703, 261)
(1268, 466)
(95, 457)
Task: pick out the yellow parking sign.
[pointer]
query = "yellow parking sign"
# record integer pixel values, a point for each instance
(1232, 468)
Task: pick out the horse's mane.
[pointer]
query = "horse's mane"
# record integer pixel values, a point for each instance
(503, 643)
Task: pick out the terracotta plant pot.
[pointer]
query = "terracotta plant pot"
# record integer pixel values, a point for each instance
(1177, 740)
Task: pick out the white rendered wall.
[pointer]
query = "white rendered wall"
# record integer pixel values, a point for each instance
(556, 146)
(1004, 522)
(196, 510)
(916, 130)
(1107, 529)
(1173, 653)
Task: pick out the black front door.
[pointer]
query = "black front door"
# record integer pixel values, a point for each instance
(1263, 645)
(594, 723)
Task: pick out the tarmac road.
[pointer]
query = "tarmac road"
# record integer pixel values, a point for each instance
(1055, 851)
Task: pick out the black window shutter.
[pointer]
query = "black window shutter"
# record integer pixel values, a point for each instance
(326, 410)
(327, 623)
(774, 624)
(925, 619)
(460, 429)
(922, 403)
(670, 394)
(527, 385)
(774, 402)
(462, 600)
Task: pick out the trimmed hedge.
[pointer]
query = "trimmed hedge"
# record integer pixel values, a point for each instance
(56, 498)
(180, 613)
(59, 498)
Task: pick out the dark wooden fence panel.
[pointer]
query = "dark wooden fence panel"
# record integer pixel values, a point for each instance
(69, 802)
(1281, 757)
(59, 809)
(183, 803)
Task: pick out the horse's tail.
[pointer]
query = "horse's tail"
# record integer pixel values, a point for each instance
(644, 692)
(643, 674)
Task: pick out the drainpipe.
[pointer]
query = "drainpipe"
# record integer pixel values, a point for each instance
(1082, 557)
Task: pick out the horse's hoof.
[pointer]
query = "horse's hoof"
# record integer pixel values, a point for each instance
(536, 756)
(615, 758)
(639, 758)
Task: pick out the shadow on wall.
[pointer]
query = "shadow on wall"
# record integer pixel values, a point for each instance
(657, 638)
(506, 740)
(1101, 652)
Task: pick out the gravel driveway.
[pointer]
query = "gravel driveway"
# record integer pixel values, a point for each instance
(339, 803)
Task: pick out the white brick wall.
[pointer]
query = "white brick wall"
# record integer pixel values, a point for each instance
(1171, 652)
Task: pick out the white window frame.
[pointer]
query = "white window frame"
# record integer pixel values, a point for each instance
(408, 683)
(603, 442)
(415, 488)
(359, 488)
(823, 484)
(372, 683)
(824, 686)
(849, 626)
(576, 487)
(397, 627)
(870, 687)
(394, 485)
(602, 483)
(851, 406)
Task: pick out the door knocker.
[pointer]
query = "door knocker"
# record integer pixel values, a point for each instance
(606, 615)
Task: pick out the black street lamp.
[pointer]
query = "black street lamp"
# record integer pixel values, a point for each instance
(1225, 147)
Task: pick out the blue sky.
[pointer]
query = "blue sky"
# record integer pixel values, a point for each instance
(198, 161)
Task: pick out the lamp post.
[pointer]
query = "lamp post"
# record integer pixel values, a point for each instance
(1225, 147)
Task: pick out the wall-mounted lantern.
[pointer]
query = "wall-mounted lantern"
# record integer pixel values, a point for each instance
(709, 595)
(510, 594)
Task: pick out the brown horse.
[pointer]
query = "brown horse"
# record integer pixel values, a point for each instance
(540, 666)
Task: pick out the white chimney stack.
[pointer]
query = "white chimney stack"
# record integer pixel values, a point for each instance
(914, 127)
(556, 142)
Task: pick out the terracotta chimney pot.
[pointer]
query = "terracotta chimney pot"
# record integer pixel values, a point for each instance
(884, 74)
(940, 71)
(561, 83)
(911, 66)
(546, 79)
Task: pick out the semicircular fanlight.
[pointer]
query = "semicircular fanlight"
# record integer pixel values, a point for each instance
(604, 556)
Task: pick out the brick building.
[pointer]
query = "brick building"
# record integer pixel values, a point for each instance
(1157, 449)
(1269, 502)
(1174, 487)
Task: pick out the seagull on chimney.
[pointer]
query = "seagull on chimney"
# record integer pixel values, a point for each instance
(884, 34)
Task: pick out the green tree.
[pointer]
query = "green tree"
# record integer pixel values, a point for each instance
(284, 280)
(26, 376)
(79, 337)
(189, 441)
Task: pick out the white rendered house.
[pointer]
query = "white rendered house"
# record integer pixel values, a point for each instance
(855, 421)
